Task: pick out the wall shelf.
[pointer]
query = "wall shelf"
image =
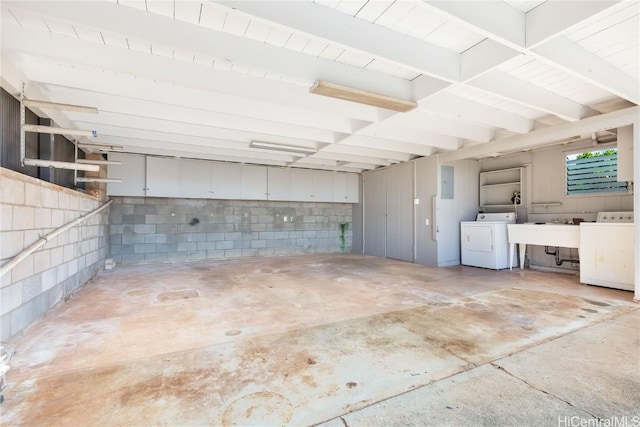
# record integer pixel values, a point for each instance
(497, 187)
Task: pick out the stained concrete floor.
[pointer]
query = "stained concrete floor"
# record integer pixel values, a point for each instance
(342, 339)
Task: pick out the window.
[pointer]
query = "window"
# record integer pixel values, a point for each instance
(593, 172)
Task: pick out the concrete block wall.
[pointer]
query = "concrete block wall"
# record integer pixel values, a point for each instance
(29, 209)
(166, 229)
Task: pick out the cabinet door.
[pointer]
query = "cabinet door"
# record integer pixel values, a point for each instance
(302, 185)
(163, 177)
(254, 182)
(226, 180)
(131, 172)
(345, 189)
(195, 179)
(279, 183)
(322, 186)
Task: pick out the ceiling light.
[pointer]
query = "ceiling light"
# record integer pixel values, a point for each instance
(362, 96)
(291, 149)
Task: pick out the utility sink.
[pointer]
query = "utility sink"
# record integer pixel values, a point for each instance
(547, 234)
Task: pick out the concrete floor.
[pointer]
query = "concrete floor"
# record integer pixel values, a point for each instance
(342, 339)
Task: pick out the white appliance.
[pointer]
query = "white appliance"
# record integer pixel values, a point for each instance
(484, 241)
(606, 251)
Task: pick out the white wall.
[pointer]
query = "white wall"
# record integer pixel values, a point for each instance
(438, 242)
(547, 185)
(463, 207)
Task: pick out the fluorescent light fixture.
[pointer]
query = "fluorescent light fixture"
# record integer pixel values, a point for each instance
(291, 149)
(61, 165)
(56, 106)
(100, 147)
(58, 131)
(361, 96)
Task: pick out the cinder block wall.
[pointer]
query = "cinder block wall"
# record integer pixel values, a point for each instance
(160, 229)
(31, 208)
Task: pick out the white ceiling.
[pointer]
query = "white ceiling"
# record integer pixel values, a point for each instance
(203, 79)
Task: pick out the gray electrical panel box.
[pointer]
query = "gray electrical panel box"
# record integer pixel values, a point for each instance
(446, 176)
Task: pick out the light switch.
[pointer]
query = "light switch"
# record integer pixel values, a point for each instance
(416, 201)
(426, 221)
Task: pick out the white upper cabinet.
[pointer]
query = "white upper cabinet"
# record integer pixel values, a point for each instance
(196, 179)
(163, 177)
(254, 182)
(345, 187)
(226, 180)
(131, 172)
(323, 186)
(302, 185)
(203, 179)
(279, 183)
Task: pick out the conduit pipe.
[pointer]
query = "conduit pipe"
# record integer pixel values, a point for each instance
(42, 241)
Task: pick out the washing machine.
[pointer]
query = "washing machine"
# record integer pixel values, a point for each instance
(484, 242)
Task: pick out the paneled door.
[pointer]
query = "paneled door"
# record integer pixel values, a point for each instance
(375, 213)
(400, 212)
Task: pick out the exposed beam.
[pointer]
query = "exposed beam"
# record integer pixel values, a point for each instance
(222, 141)
(12, 80)
(522, 92)
(424, 86)
(411, 135)
(151, 150)
(552, 18)
(368, 152)
(330, 165)
(350, 158)
(202, 123)
(168, 32)
(430, 122)
(475, 112)
(196, 150)
(114, 91)
(388, 144)
(578, 61)
(547, 136)
(495, 19)
(83, 54)
(484, 57)
(353, 33)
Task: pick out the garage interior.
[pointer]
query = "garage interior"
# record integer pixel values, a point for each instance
(363, 212)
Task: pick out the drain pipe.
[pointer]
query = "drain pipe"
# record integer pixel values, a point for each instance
(559, 261)
(41, 242)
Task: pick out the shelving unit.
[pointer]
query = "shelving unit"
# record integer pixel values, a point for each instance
(497, 187)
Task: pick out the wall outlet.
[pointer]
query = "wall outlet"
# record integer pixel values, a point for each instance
(426, 221)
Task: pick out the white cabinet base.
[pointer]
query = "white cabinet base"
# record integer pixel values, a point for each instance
(606, 255)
